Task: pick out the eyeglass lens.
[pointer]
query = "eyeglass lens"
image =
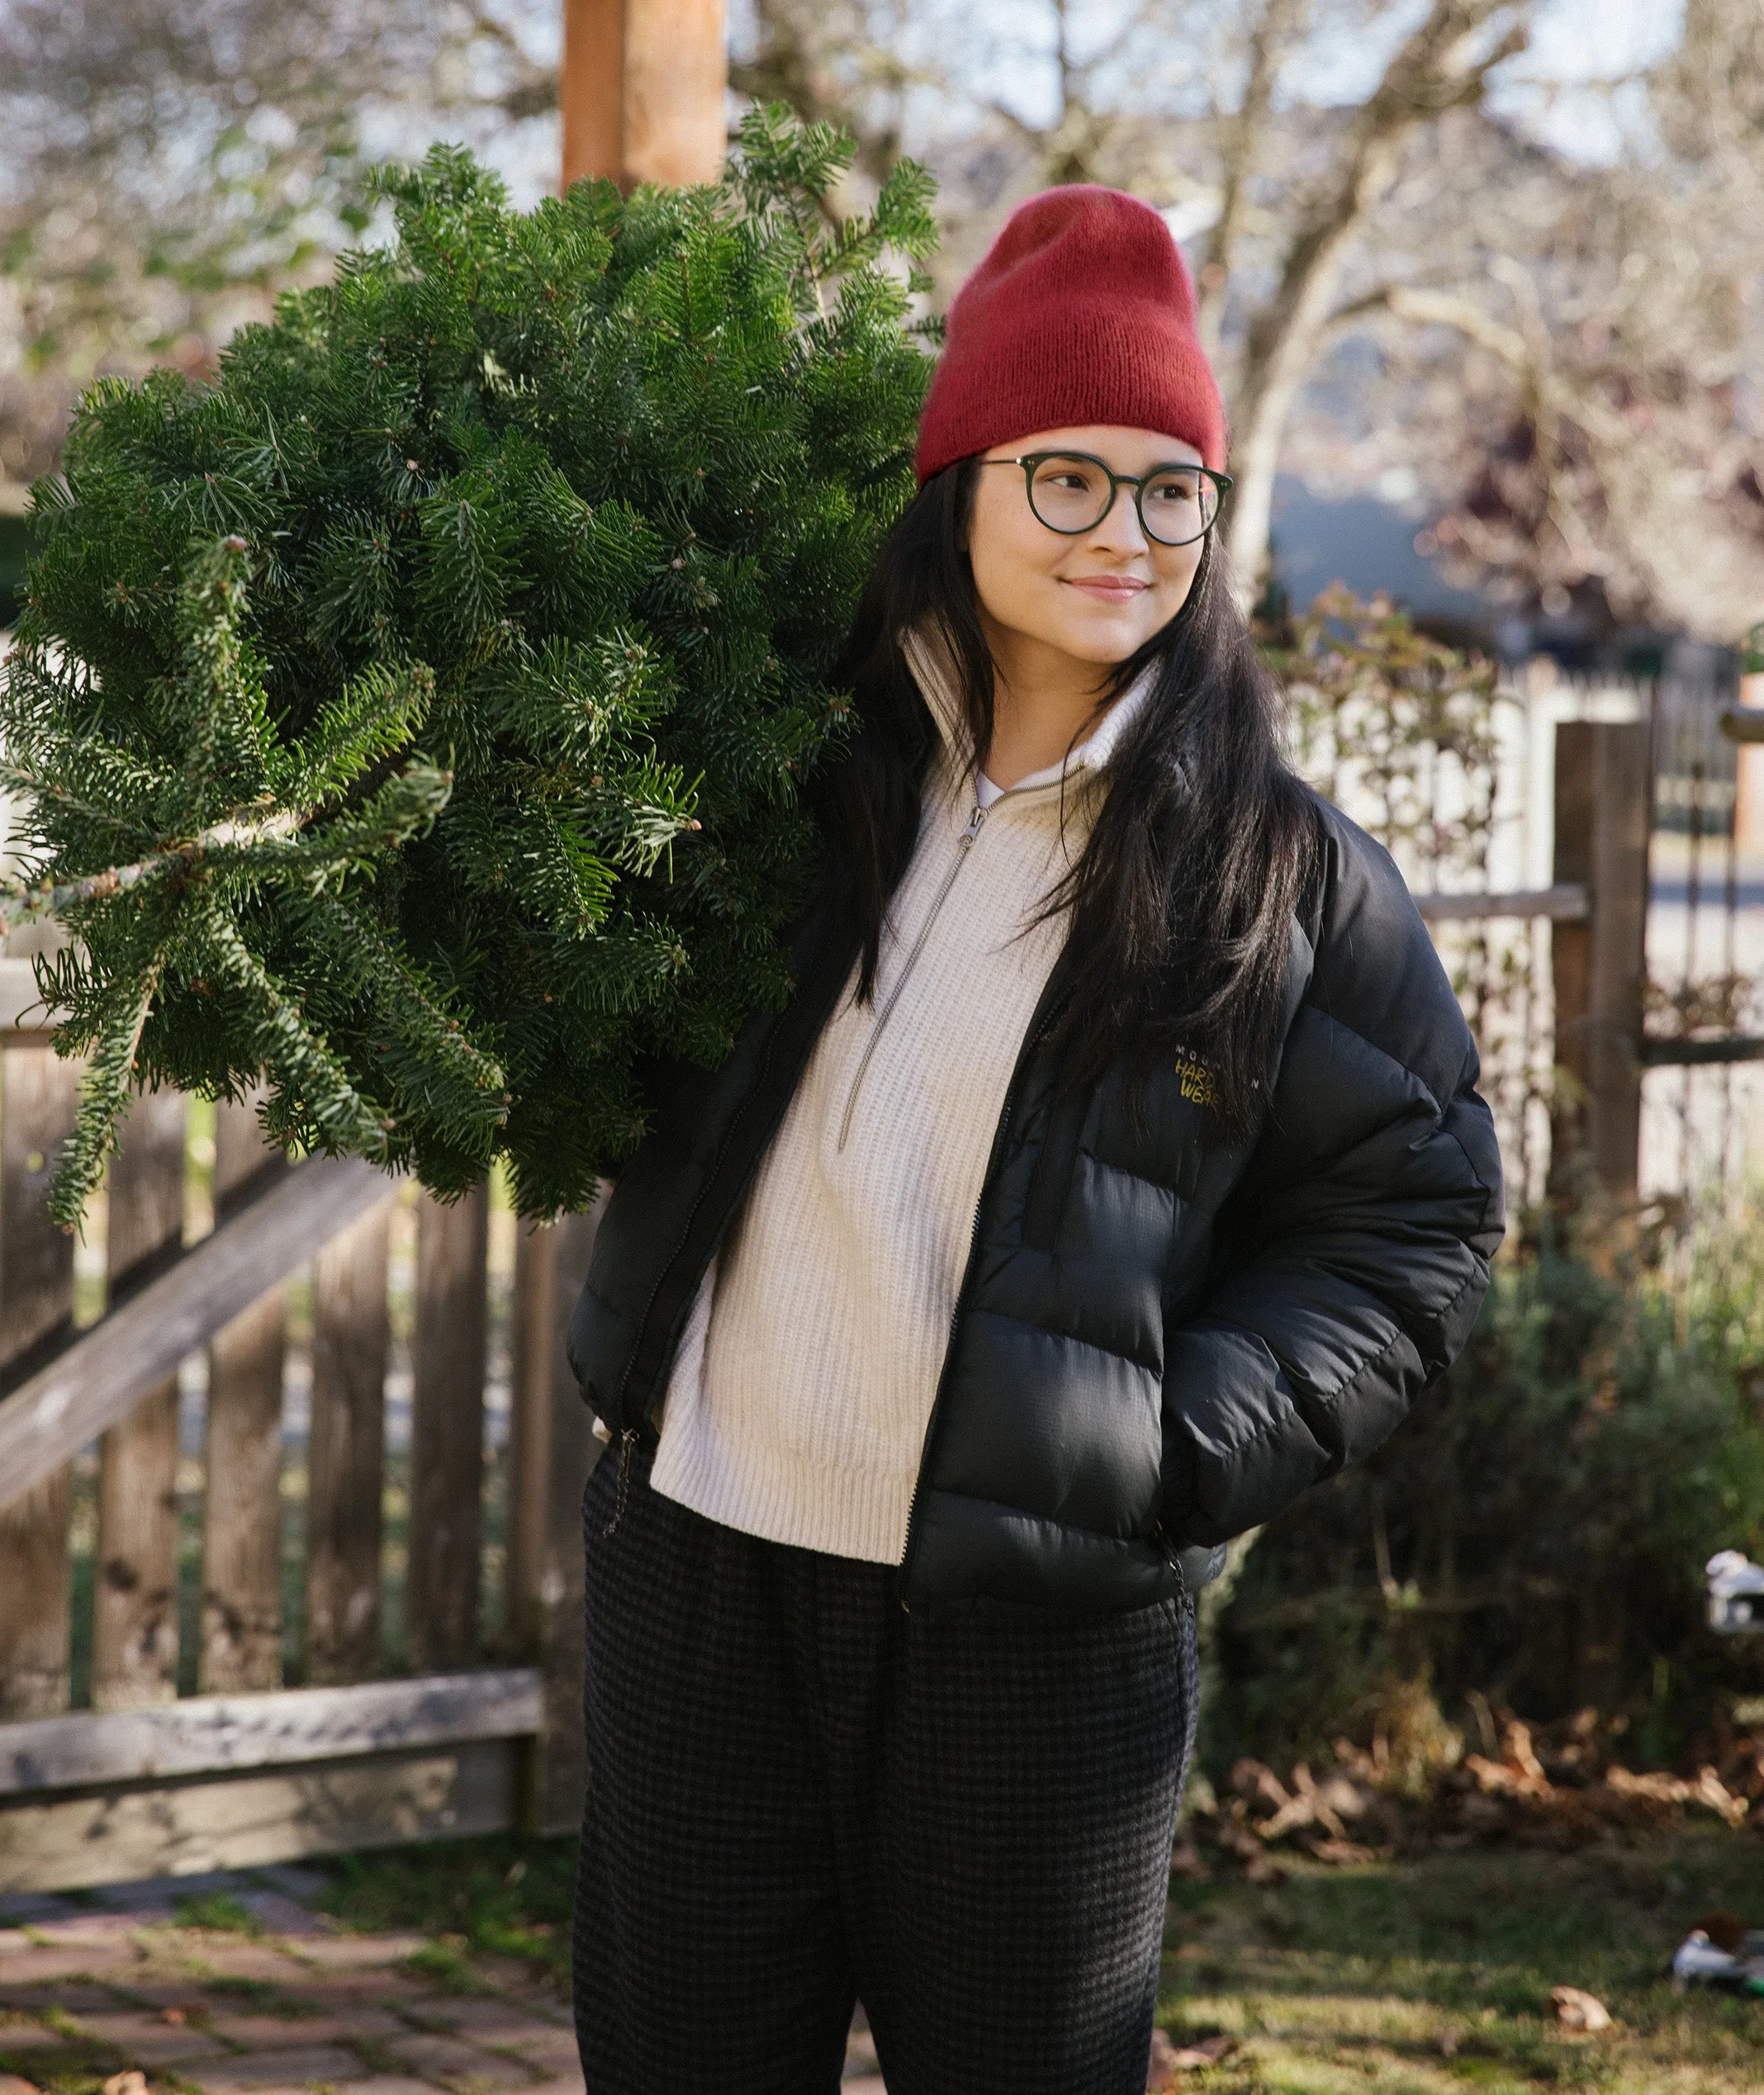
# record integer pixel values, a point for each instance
(1177, 505)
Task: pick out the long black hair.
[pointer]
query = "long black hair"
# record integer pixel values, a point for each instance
(1183, 895)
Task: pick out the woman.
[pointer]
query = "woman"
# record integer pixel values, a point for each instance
(1116, 1172)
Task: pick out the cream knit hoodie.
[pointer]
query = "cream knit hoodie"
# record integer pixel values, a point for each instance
(798, 1400)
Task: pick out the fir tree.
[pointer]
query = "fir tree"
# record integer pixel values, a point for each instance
(416, 717)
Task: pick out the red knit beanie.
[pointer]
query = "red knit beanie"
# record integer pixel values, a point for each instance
(1082, 311)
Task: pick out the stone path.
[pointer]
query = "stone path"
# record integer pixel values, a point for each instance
(121, 1994)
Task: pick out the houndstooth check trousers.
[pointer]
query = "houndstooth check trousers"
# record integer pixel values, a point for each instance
(801, 1796)
(798, 1796)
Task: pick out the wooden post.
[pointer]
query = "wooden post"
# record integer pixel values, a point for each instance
(344, 1452)
(36, 1302)
(641, 93)
(1603, 782)
(242, 1532)
(447, 1430)
(134, 1593)
(552, 1449)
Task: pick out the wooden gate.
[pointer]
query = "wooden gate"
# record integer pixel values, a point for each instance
(433, 1729)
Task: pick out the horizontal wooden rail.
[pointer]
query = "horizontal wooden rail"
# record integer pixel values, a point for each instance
(1743, 724)
(227, 1734)
(232, 1782)
(1680, 1055)
(1568, 903)
(100, 1375)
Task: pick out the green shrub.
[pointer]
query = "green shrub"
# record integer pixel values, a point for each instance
(1536, 1533)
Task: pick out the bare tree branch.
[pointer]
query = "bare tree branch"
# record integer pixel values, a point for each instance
(1428, 308)
(1435, 69)
(1240, 138)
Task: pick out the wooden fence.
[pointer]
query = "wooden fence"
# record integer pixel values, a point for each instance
(245, 1770)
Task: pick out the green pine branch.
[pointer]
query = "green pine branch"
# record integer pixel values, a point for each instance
(417, 718)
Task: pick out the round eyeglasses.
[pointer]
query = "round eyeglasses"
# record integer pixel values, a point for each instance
(1071, 493)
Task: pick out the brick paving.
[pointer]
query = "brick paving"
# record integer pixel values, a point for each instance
(94, 1994)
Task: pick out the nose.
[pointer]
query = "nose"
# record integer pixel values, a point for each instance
(1120, 530)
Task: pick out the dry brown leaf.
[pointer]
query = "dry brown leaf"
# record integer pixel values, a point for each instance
(1346, 1855)
(1578, 2010)
(1169, 2058)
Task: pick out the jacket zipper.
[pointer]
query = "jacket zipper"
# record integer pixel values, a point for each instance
(961, 1295)
(965, 843)
(1173, 1556)
(629, 1435)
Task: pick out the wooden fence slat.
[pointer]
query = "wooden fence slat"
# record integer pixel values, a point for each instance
(36, 1298)
(1604, 771)
(242, 1532)
(88, 1384)
(134, 1590)
(552, 1449)
(345, 1451)
(447, 1429)
(214, 1734)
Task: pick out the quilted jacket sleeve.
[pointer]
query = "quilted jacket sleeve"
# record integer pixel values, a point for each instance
(1359, 1240)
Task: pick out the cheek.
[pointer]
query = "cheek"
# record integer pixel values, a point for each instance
(1180, 566)
(1012, 555)
(1177, 567)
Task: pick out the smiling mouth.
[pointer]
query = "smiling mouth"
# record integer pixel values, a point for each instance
(1118, 587)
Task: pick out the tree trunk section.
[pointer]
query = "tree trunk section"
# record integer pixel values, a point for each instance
(1282, 345)
(642, 91)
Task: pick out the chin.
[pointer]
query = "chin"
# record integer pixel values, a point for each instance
(1104, 640)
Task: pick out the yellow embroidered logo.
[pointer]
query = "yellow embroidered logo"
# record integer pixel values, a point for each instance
(1198, 1086)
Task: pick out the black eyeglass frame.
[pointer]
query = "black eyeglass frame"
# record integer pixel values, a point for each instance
(1031, 459)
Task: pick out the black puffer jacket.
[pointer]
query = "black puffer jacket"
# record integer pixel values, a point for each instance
(1162, 1336)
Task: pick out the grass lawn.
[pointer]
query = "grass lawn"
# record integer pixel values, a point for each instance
(1429, 1976)
(1434, 1974)
(501, 1896)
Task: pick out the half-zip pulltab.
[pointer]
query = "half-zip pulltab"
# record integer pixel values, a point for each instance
(965, 844)
(622, 1495)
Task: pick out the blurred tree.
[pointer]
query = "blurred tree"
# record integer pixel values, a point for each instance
(843, 62)
(167, 167)
(1404, 283)
(1176, 100)
(1444, 63)
(1580, 378)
